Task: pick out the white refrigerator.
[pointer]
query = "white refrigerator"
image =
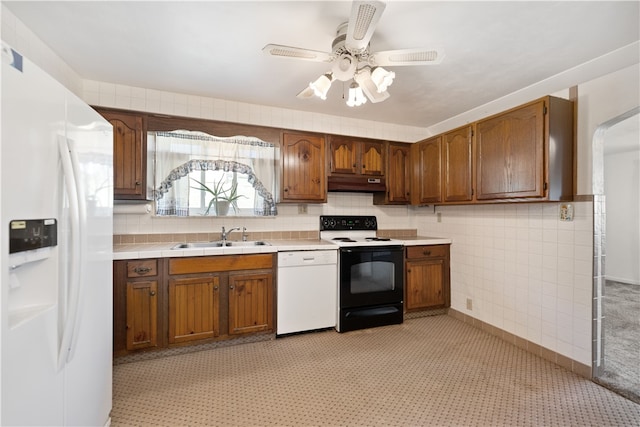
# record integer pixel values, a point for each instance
(56, 204)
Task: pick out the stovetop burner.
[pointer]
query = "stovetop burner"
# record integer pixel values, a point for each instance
(378, 239)
(343, 239)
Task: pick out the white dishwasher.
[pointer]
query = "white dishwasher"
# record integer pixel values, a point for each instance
(307, 290)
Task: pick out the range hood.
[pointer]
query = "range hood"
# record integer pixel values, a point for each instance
(360, 184)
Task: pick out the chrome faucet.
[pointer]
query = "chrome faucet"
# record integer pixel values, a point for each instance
(225, 233)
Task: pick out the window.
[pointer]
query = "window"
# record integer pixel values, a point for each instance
(199, 174)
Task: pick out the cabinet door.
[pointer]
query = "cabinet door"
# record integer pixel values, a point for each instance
(303, 175)
(399, 173)
(250, 302)
(344, 156)
(142, 314)
(425, 284)
(510, 154)
(193, 308)
(458, 186)
(128, 155)
(372, 158)
(427, 185)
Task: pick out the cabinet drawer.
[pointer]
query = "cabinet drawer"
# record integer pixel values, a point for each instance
(142, 268)
(427, 251)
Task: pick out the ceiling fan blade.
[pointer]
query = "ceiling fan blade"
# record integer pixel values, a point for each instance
(305, 93)
(419, 56)
(362, 23)
(281, 51)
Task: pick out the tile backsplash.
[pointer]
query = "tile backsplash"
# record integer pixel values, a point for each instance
(389, 217)
(524, 270)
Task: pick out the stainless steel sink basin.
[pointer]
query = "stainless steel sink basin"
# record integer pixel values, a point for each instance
(197, 245)
(248, 243)
(218, 244)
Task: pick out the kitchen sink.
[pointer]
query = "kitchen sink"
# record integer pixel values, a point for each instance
(219, 244)
(248, 243)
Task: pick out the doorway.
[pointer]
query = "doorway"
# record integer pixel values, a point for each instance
(617, 228)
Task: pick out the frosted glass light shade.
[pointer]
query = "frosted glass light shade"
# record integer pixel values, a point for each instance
(356, 97)
(382, 78)
(321, 86)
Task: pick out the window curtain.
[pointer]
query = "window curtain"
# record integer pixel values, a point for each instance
(180, 152)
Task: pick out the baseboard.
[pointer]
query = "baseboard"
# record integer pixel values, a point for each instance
(559, 359)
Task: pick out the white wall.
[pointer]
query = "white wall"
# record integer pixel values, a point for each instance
(22, 39)
(622, 192)
(525, 271)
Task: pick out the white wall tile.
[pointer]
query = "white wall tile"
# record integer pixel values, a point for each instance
(546, 263)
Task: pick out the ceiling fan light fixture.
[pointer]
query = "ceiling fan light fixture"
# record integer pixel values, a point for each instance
(356, 96)
(382, 78)
(321, 86)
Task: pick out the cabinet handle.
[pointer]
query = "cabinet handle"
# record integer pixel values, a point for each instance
(426, 253)
(215, 288)
(231, 287)
(142, 270)
(138, 183)
(409, 271)
(286, 189)
(152, 293)
(355, 165)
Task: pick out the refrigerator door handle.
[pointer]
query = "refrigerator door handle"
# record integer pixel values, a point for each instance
(73, 291)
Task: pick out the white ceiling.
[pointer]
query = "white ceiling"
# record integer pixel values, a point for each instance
(213, 48)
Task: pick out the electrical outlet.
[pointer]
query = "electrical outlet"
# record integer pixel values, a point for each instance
(566, 212)
(469, 304)
(439, 216)
(302, 209)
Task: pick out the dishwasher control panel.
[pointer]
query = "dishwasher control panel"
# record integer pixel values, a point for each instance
(301, 258)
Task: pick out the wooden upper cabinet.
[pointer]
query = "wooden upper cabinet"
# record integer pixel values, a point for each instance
(458, 165)
(427, 171)
(129, 155)
(372, 158)
(527, 152)
(344, 154)
(398, 175)
(350, 156)
(303, 168)
(511, 154)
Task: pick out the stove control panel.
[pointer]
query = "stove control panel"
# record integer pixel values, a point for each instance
(348, 222)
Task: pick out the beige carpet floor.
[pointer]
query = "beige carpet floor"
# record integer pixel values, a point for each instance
(428, 371)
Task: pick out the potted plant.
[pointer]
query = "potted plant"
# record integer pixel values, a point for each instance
(220, 198)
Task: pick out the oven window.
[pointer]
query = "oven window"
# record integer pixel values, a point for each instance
(372, 276)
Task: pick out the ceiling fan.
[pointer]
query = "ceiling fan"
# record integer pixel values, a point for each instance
(351, 58)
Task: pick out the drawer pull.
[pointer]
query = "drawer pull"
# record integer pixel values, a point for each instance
(142, 270)
(426, 253)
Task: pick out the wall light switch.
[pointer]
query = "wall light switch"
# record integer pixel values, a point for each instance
(566, 212)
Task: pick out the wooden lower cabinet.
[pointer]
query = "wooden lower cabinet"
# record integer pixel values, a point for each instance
(427, 284)
(250, 303)
(166, 302)
(194, 308)
(142, 314)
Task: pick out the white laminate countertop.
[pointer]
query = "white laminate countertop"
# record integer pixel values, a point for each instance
(163, 250)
